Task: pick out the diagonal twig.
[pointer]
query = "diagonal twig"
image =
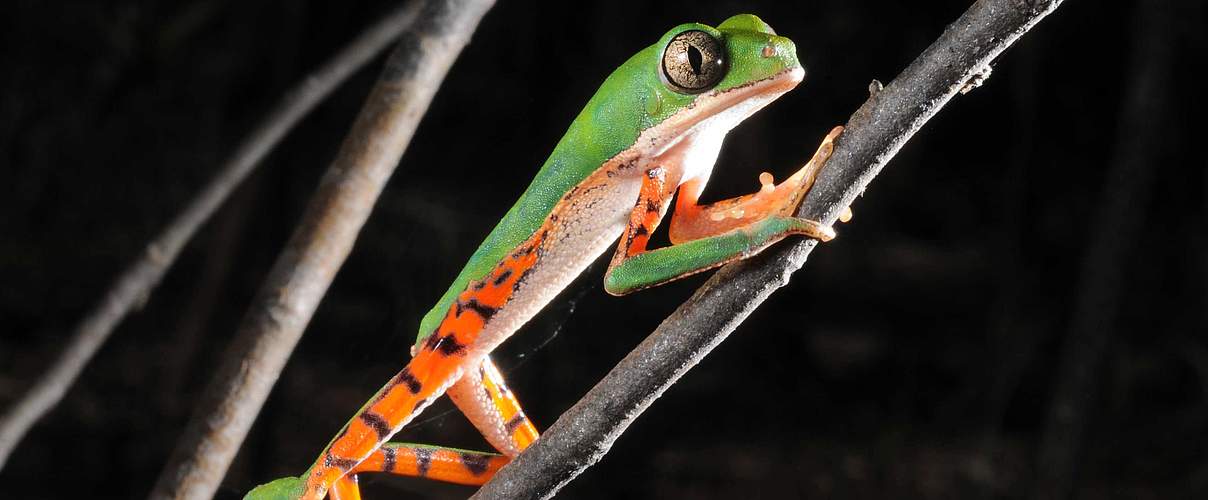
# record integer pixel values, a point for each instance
(583, 434)
(131, 288)
(329, 226)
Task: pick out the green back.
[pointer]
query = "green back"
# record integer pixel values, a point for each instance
(632, 99)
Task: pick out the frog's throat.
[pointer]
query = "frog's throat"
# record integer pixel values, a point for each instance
(719, 110)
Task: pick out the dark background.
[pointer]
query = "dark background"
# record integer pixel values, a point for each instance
(914, 357)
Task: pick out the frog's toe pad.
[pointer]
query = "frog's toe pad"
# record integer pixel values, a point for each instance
(846, 215)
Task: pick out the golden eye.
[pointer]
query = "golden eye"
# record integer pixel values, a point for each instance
(693, 62)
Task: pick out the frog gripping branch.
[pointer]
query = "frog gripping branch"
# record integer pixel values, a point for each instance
(652, 131)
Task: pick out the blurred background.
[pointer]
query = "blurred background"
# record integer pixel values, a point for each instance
(1017, 309)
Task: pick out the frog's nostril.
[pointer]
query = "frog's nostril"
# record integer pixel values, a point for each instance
(769, 50)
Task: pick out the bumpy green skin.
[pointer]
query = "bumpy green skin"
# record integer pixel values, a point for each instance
(632, 99)
(286, 488)
(665, 264)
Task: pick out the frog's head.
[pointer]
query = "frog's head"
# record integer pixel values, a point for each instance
(743, 51)
(694, 77)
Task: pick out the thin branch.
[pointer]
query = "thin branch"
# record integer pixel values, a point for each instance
(1118, 224)
(305, 268)
(132, 288)
(583, 434)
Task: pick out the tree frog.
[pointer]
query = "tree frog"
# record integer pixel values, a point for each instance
(652, 130)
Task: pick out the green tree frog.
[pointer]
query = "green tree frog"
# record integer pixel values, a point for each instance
(652, 130)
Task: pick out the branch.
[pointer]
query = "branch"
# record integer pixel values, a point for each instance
(439, 29)
(132, 288)
(1118, 223)
(582, 435)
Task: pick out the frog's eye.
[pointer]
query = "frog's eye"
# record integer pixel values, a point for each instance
(693, 62)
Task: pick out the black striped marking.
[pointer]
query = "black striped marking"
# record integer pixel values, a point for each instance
(482, 377)
(405, 377)
(483, 311)
(344, 464)
(447, 345)
(476, 463)
(377, 423)
(389, 458)
(503, 277)
(514, 423)
(423, 460)
(521, 279)
(523, 250)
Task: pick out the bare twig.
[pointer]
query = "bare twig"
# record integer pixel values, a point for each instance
(583, 434)
(1119, 221)
(131, 289)
(305, 268)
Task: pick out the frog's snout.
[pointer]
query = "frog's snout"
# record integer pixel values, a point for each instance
(781, 48)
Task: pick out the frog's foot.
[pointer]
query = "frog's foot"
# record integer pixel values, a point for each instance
(790, 193)
(692, 222)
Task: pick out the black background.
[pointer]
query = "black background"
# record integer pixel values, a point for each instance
(914, 357)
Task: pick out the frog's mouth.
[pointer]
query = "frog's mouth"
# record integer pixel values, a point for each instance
(719, 110)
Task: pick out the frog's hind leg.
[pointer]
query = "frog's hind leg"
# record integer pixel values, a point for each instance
(483, 396)
(450, 465)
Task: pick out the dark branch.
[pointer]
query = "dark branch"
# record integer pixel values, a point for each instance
(131, 289)
(438, 31)
(583, 434)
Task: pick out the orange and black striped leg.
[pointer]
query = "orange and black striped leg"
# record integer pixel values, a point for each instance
(425, 378)
(486, 400)
(439, 463)
(483, 396)
(438, 363)
(645, 217)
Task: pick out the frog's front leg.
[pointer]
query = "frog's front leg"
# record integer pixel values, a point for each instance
(705, 237)
(692, 221)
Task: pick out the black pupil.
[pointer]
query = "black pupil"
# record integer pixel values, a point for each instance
(695, 58)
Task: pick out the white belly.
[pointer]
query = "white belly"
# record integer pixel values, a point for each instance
(586, 228)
